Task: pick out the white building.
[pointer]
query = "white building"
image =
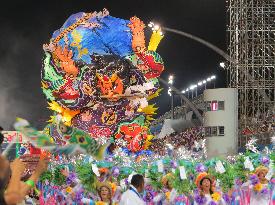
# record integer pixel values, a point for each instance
(221, 121)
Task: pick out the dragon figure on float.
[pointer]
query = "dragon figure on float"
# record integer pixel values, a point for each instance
(98, 76)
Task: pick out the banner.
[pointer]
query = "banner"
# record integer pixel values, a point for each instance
(10, 135)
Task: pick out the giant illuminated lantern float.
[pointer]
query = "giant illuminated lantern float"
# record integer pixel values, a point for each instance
(98, 76)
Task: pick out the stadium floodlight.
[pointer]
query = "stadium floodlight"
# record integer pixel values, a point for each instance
(222, 64)
(200, 83)
(151, 24)
(156, 27)
(213, 77)
(169, 91)
(171, 79)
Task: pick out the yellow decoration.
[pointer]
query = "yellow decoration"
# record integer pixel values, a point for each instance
(216, 196)
(148, 141)
(77, 38)
(100, 203)
(66, 113)
(156, 94)
(258, 187)
(109, 118)
(69, 189)
(44, 85)
(114, 187)
(167, 194)
(55, 107)
(150, 110)
(83, 51)
(51, 119)
(149, 118)
(155, 40)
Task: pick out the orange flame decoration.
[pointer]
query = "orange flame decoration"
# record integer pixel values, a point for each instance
(66, 62)
(137, 28)
(110, 85)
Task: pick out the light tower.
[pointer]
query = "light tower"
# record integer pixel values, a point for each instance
(251, 29)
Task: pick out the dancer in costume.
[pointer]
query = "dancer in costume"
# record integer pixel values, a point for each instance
(258, 188)
(206, 194)
(168, 194)
(272, 187)
(106, 192)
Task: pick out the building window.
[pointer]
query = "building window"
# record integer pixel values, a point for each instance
(214, 105)
(221, 105)
(214, 131)
(208, 106)
(207, 131)
(221, 130)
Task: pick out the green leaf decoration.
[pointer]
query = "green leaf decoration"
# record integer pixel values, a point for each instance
(86, 176)
(58, 178)
(47, 175)
(155, 179)
(185, 186)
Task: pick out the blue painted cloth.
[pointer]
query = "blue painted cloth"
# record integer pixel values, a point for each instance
(112, 37)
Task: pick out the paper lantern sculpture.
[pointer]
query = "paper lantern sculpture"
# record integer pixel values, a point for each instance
(97, 72)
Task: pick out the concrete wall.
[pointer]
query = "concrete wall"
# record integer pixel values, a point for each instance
(227, 144)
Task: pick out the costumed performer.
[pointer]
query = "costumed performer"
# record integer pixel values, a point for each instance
(258, 188)
(106, 191)
(206, 194)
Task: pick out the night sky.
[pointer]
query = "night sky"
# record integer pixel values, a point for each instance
(26, 25)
